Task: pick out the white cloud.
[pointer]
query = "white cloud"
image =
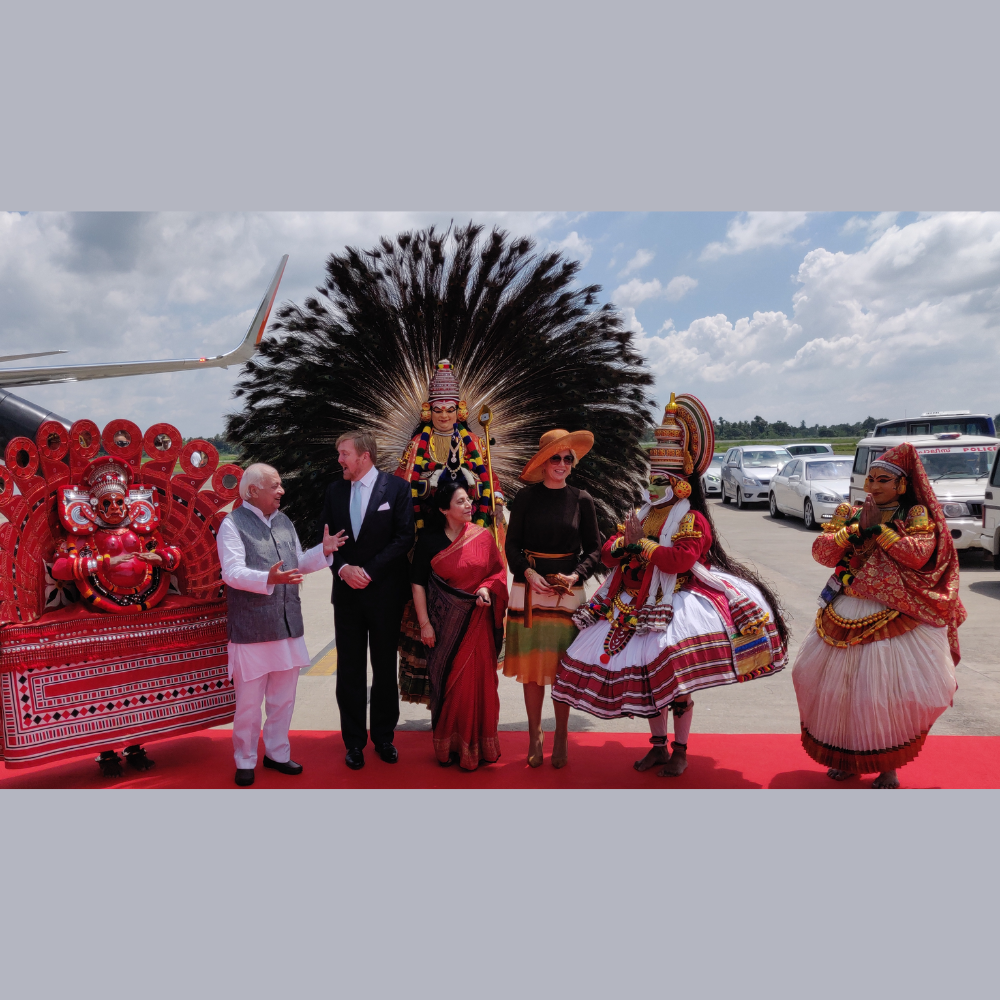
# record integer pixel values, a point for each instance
(575, 247)
(126, 286)
(635, 291)
(639, 260)
(873, 226)
(753, 230)
(630, 322)
(678, 287)
(911, 322)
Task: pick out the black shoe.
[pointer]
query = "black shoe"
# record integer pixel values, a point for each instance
(387, 752)
(244, 776)
(288, 767)
(136, 758)
(355, 758)
(110, 764)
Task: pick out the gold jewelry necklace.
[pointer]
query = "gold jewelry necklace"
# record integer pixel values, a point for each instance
(655, 519)
(440, 445)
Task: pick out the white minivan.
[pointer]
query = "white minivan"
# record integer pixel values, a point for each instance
(958, 467)
(990, 536)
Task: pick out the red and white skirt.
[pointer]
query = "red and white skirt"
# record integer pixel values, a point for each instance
(654, 668)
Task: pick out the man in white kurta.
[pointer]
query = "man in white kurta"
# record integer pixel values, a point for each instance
(265, 670)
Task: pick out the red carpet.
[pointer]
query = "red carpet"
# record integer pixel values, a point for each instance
(597, 760)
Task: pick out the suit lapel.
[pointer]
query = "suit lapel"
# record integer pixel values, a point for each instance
(378, 491)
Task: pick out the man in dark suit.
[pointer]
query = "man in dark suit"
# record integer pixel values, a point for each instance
(370, 587)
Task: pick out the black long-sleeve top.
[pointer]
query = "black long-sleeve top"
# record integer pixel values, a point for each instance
(553, 521)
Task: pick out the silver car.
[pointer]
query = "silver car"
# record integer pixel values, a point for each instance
(711, 479)
(808, 449)
(747, 471)
(811, 487)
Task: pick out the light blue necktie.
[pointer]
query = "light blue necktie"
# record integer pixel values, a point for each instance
(356, 508)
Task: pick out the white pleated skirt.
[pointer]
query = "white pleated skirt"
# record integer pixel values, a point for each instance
(869, 707)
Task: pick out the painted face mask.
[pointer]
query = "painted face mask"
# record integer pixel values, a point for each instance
(112, 508)
(660, 490)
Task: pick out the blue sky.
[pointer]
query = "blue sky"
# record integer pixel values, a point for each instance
(736, 283)
(817, 316)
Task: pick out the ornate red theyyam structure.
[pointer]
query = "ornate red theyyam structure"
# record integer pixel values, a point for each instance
(112, 606)
(101, 645)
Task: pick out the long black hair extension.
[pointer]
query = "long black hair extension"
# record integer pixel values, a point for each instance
(720, 559)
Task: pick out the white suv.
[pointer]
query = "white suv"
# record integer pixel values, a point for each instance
(990, 537)
(958, 467)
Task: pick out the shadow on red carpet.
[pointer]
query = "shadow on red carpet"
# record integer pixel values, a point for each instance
(597, 760)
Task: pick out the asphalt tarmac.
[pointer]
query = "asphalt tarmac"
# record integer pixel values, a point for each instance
(780, 551)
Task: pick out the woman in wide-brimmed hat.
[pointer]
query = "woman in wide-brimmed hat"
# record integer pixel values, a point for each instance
(553, 546)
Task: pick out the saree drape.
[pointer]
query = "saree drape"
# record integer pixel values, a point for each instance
(464, 698)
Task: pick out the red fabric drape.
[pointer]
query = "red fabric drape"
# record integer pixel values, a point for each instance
(470, 713)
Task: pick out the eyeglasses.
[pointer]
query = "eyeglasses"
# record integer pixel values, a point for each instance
(561, 459)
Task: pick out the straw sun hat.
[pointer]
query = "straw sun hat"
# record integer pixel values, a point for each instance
(579, 442)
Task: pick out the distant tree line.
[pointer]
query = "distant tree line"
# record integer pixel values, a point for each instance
(223, 446)
(738, 430)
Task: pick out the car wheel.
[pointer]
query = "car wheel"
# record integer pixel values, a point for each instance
(740, 502)
(775, 513)
(808, 516)
(996, 561)
(725, 495)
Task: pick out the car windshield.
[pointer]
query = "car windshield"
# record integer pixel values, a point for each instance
(769, 459)
(956, 464)
(716, 462)
(819, 471)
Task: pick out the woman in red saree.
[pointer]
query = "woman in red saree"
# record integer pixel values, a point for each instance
(459, 587)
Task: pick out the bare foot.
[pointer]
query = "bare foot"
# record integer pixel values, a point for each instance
(657, 755)
(677, 764)
(887, 779)
(838, 775)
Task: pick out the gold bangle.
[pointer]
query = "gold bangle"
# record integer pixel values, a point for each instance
(842, 537)
(648, 548)
(887, 537)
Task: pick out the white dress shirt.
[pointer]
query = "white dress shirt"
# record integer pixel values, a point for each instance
(364, 486)
(254, 659)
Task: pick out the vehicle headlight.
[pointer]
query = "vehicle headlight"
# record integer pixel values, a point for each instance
(827, 498)
(956, 510)
(712, 479)
(750, 481)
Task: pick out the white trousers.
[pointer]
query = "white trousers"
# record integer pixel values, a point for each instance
(277, 690)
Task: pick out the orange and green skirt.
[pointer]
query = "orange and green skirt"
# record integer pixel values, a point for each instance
(533, 653)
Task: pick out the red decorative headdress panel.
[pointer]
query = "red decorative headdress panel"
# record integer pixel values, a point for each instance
(45, 487)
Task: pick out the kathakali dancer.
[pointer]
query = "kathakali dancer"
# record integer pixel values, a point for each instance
(677, 613)
(553, 547)
(441, 448)
(879, 666)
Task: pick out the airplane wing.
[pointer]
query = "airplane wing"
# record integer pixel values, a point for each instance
(44, 375)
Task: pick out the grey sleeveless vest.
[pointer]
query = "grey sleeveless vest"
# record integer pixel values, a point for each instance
(263, 617)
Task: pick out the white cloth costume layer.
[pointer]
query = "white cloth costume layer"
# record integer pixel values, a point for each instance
(263, 671)
(877, 695)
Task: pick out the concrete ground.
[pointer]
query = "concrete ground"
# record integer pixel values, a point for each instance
(780, 550)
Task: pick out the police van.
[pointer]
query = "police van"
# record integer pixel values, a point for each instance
(958, 467)
(990, 537)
